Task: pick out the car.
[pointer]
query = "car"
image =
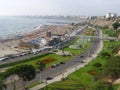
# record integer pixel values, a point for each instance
(81, 56)
(49, 78)
(5, 59)
(62, 62)
(82, 61)
(52, 66)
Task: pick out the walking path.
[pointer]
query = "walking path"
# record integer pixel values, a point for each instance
(71, 69)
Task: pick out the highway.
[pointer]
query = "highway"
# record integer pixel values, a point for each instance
(61, 68)
(52, 72)
(76, 60)
(30, 55)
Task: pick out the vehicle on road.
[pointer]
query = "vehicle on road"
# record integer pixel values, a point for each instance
(52, 66)
(49, 78)
(81, 56)
(62, 62)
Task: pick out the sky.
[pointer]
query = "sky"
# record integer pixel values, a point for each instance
(59, 7)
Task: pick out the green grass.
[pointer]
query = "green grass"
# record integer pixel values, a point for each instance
(78, 51)
(116, 87)
(23, 61)
(81, 79)
(44, 56)
(110, 32)
(59, 58)
(90, 31)
(33, 85)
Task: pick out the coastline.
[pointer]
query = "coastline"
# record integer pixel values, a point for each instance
(8, 45)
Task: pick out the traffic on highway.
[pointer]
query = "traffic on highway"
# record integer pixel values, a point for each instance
(60, 67)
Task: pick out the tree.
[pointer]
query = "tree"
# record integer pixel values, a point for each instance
(26, 72)
(116, 25)
(41, 65)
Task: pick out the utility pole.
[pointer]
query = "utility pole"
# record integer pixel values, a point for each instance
(40, 77)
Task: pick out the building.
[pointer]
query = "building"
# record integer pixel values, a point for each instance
(27, 45)
(54, 40)
(111, 15)
(40, 41)
(48, 34)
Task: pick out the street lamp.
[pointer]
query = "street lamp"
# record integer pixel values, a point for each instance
(45, 84)
(40, 76)
(40, 69)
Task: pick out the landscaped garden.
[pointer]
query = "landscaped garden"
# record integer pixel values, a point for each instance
(50, 58)
(95, 75)
(58, 58)
(90, 77)
(80, 43)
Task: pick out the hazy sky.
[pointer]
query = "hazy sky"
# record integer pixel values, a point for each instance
(59, 7)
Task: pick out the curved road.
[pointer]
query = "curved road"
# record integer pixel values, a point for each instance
(62, 67)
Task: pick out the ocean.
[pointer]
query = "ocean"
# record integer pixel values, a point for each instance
(16, 25)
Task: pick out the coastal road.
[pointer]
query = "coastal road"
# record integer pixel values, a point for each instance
(52, 72)
(63, 67)
(76, 60)
(29, 56)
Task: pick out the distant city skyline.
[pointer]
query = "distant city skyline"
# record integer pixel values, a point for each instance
(59, 7)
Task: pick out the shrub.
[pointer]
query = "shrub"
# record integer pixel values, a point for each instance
(97, 65)
(106, 54)
(55, 50)
(103, 86)
(48, 60)
(112, 68)
(115, 49)
(92, 72)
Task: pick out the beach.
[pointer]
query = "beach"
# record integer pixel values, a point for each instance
(10, 46)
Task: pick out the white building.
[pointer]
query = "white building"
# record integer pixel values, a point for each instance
(111, 15)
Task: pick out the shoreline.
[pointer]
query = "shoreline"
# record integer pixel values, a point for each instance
(24, 33)
(8, 45)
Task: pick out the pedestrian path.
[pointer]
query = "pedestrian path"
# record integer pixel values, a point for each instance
(71, 69)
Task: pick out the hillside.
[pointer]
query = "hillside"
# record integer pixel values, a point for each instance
(102, 22)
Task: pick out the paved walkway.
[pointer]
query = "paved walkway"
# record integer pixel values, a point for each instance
(71, 69)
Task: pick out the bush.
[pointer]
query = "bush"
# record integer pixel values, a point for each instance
(112, 68)
(97, 65)
(105, 27)
(116, 48)
(48, 60)
(26, 72)
(104, 86)
(23, 61)
(106, 54)
(92, 72)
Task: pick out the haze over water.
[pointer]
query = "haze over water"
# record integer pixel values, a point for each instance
(16, 25)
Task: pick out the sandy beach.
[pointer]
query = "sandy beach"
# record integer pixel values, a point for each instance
(10, 46)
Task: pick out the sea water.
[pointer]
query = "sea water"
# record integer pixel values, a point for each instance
(16, 25)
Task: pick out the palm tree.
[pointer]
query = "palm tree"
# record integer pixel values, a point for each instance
(41, 65)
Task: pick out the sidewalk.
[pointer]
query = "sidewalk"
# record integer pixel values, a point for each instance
(71, 69)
